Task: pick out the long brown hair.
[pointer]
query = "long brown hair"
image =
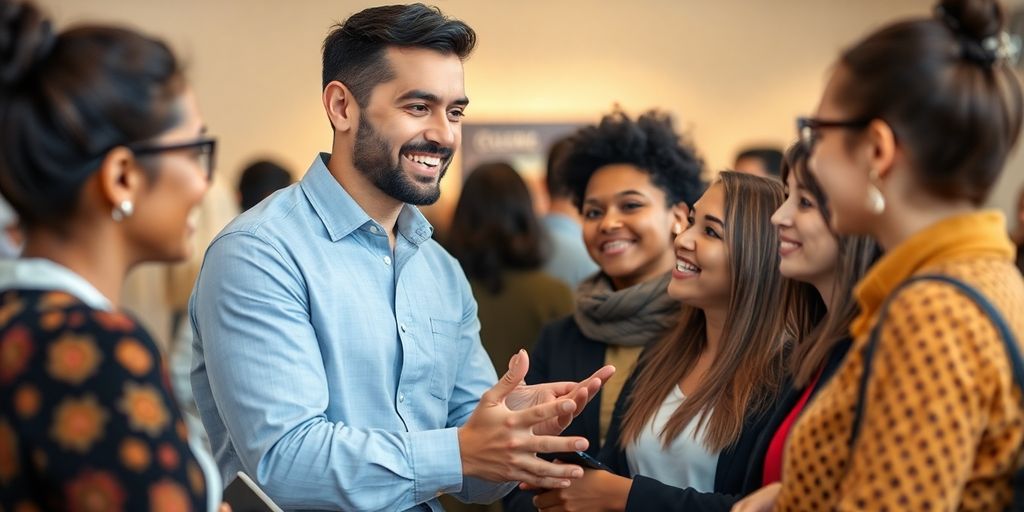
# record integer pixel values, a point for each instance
(816, 330)
(749, 367)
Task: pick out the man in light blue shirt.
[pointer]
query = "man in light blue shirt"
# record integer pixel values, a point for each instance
(337, 352)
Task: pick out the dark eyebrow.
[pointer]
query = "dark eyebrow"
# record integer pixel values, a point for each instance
(712, 218)
(417, 94)
(618, 195)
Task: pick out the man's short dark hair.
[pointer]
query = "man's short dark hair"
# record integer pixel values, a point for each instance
(650, 143)
(770, 158)
(354, 50)
(259, 180)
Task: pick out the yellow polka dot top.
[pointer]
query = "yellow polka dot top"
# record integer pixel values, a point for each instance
(943, 424)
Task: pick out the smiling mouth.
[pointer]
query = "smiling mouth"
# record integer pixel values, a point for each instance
(615, 246)
(685, 267)
(429, 161)
(787, 247)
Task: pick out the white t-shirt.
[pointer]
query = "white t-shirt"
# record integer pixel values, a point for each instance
(685, 463)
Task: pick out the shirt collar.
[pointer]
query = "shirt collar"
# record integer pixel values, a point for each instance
(341, 214)
(44, 274)
(975, 234)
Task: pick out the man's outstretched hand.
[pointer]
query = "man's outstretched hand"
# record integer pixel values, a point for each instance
(581, 393)
(513, 422)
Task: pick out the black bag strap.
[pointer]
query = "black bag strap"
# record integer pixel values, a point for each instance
(1009, 343)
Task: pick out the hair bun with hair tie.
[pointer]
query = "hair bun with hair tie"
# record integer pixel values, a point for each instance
(26, 40)
(984, 52)
(978, 43)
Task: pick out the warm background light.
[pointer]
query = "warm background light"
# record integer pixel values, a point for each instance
(733, 72)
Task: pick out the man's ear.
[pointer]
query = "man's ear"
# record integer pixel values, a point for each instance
(120, 178)
(341, 106)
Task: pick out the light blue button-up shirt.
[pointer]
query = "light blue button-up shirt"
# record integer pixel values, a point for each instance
(331, 369)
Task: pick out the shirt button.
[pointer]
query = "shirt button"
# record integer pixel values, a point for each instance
(401, 397)
(374, 229)
(387, 260)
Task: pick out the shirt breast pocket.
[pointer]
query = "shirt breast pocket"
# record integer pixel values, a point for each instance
(446, 357)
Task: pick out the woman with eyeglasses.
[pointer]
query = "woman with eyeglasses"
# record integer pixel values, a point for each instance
(925, 413)
(103, 155)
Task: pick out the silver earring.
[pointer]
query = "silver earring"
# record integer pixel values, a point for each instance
(875, 200)
(122, 211)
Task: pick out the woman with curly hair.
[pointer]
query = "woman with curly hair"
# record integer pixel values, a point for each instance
(632, 180)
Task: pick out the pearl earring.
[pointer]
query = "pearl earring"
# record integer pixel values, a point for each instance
(122, 211)
(875, 199)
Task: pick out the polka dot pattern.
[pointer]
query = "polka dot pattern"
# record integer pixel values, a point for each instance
(943, 425)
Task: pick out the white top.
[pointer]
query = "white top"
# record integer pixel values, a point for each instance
(44, 274)
(685, 463)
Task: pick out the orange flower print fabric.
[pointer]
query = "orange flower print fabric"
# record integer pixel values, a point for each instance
(78, 424)
(15, 350)
(145, 409)
(73, 358)
(133, 356)
(89, 423)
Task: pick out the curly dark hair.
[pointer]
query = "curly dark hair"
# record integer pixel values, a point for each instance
(650, 143)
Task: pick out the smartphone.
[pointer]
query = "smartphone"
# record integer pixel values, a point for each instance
(581, 459)
(245, 496)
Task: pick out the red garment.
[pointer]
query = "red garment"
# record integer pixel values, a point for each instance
(773, 458)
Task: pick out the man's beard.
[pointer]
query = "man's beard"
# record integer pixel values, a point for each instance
(372, 157)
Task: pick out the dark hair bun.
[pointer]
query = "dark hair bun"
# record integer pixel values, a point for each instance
(976, 19)
(26, 38)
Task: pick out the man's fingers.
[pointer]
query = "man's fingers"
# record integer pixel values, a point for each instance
(539, 473)
(517, 368)
(539, 467)
(556, 444)
(604, 373)
(581, 397)
(540, 482)
(543, 412)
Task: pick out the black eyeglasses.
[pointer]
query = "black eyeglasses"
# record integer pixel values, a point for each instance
(205, 149)
(808, 127)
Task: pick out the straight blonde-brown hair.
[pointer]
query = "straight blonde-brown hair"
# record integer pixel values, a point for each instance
(749, 368)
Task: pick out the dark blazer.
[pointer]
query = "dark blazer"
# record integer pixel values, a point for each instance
(740, 467)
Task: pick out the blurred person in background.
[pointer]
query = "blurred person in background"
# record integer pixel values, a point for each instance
(260, 179)
(567, 259)
(499, 243)
(760, 161)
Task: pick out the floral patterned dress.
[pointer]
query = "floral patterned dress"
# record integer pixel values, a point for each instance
(86, 419)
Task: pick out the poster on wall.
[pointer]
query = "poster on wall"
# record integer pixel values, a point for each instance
(522, 145)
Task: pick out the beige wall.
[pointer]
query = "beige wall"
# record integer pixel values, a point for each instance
(732, 71)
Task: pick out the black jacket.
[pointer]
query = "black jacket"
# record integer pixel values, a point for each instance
(740, 467)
